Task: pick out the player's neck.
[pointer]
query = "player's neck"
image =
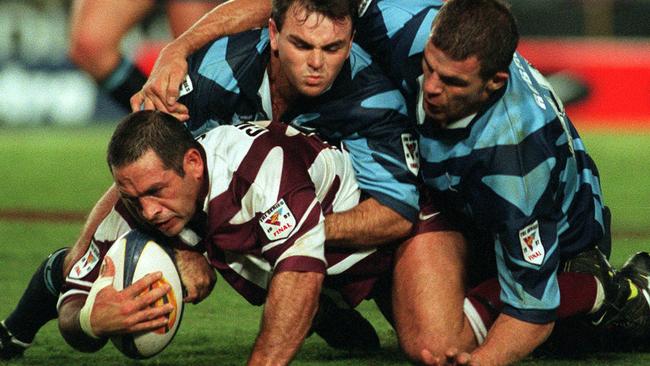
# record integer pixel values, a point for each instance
(282, 93)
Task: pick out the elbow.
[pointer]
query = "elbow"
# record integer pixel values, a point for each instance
(72, 333)
(81, 342)
(404, 228)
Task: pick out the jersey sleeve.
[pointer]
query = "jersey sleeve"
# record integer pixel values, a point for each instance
(208, 86)
(268, 209)
(86, 270)
(526, 217)
(292, 233)
(386, 168)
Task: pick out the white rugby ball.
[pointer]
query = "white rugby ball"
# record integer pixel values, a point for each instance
(135, 255)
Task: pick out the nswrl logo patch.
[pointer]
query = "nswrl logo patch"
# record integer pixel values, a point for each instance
(278, 222)
(186, 86)
(411, 152)
(531, 244)
(86, 264)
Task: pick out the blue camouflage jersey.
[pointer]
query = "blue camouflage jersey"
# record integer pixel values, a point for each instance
(362, 111)
(395, 32)
(519, 171)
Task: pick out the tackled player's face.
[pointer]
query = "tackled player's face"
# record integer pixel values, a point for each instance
(160, 196)
(311, 49)
(454, 89)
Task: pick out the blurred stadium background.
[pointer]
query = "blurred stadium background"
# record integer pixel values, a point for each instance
(595, 49)
(54, 126)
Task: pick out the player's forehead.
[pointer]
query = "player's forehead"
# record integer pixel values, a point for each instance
(313, 26)
(439, 60)
(139, 176)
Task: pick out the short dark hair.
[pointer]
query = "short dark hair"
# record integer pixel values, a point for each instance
(337, 10)
(482, 28)
(142, 131)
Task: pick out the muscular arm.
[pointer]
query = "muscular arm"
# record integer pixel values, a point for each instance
(161, 90)
(71, 330)
(510, 340)
(290, 308)
(114, 312)
(97, 214)
(368, 224)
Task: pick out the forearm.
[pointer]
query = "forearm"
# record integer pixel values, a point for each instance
(99, 212)
(71, 331)
(368, 224)
(231, 17)
(509, 340)
(290, 308)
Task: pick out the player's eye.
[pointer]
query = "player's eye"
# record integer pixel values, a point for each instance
(302, 45)
(332, 49)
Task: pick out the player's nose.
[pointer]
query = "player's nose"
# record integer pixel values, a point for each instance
(150, 208)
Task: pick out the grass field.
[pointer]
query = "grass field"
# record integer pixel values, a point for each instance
(63, 170)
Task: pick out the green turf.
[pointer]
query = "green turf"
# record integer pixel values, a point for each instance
(64, 169)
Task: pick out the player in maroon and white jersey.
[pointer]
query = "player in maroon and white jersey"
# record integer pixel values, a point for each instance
(254, 197)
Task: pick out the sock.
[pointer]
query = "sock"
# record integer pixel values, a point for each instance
(578, 294)
(123, 82)
(482, 307)
(37, 306)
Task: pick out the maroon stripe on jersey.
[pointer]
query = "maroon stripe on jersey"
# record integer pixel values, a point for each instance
(72, 297)
(300, 264)
(327, 202)
(237, 238)
(357, 282)
(250, 291)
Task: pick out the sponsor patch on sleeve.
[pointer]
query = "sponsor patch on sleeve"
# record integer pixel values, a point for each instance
(411, 152)
(86, 264)
(531, 244)
(278, 222)
(186, 86)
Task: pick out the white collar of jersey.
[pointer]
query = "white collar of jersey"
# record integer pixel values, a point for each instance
(363, 7)
(420, 115)
(265, 94)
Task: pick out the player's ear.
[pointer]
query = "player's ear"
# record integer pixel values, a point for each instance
(497, 81)
(193, 163)
(273, 34)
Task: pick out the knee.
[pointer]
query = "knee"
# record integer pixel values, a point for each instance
(421, 348)
(88, 49)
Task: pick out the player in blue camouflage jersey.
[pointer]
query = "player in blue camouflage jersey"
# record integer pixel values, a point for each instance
(360, 111)
(283, 74)
(500, 155)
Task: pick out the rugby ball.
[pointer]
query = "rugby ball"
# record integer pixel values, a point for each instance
(136, 254)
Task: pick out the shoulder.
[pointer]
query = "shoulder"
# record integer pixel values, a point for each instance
(229, 53)
(526, 106)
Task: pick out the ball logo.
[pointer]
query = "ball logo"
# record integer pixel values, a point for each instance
(168, 298)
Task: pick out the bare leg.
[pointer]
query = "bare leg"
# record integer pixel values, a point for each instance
(96, 30)
(183, 14)
(428, 295)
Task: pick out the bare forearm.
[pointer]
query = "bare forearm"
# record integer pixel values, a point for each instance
(368, 224)
(99, 212)
(290, 308)
(71, 330)
(509, 340)
(231, 17)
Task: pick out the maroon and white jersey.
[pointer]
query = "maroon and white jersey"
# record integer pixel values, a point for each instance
(269, 189)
